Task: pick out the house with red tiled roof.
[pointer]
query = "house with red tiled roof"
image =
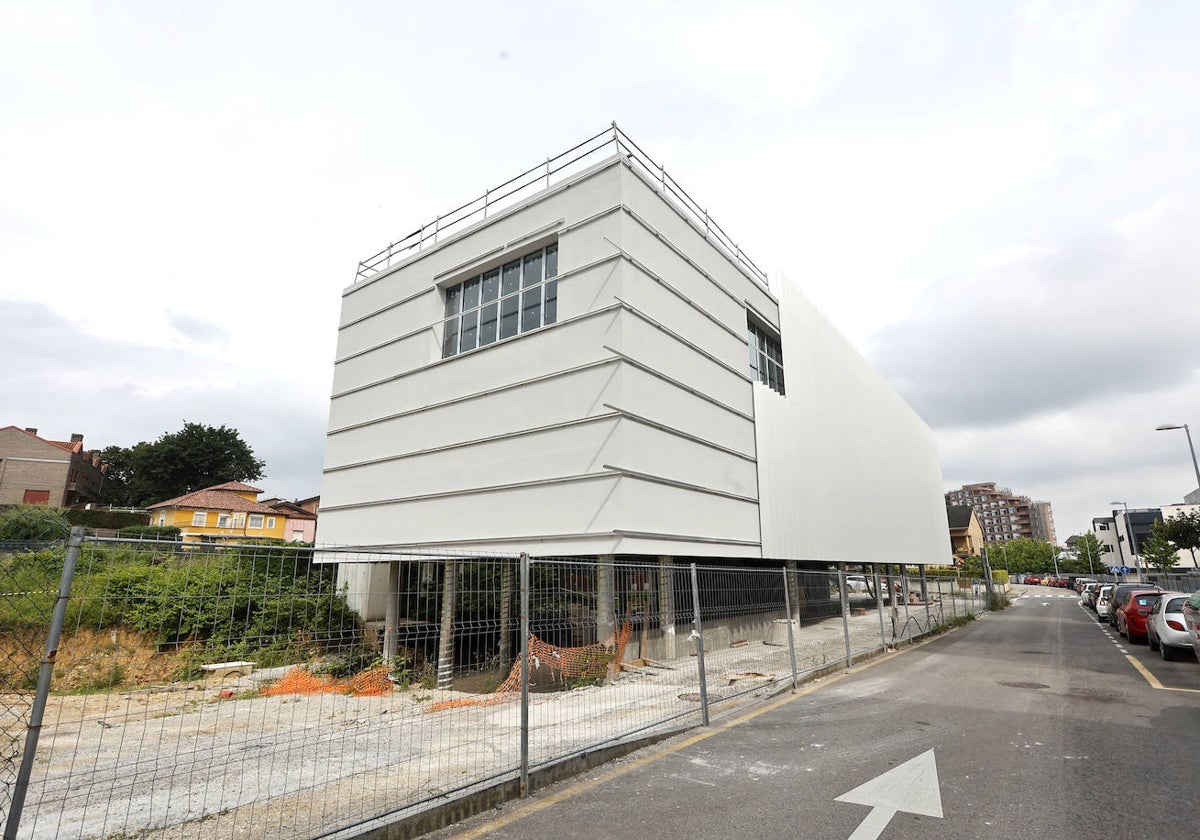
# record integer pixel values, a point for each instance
(301, 525)
(38, 471)
(222, 513)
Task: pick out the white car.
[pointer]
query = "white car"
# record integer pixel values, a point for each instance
(856, 583)
(1166, 628)
(1104, 602)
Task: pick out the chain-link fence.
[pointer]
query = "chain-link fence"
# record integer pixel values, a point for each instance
(250, 690)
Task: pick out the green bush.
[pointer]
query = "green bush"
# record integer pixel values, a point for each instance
(101, 518)
(33, 523)
(150, 532)
(1000, 576)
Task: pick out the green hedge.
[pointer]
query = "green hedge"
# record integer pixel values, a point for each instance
(99, 518)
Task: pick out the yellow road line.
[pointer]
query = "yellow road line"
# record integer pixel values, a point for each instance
(1153, 680)
(663, 752)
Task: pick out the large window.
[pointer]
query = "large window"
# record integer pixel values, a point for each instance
(766, 356)
(516, 297)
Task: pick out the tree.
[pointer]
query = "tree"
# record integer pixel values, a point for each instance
(1089, 554)
(1183, 530)
(195, 457)
(1157, 551)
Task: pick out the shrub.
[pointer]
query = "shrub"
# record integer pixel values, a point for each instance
(33, 522)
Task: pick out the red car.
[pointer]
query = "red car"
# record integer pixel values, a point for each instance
(1132, 615)
(1033, 579)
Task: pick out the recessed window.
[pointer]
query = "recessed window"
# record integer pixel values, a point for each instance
(766, 356)
(517, 297)
(200, 519)
(256, 521)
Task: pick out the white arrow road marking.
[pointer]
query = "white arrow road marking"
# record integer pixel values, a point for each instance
(912, 787)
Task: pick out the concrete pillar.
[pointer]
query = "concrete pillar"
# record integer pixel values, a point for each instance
(606, 601)
(391, 612)
(793, 594)
(666, 605)
(506, 592)
(446, 637)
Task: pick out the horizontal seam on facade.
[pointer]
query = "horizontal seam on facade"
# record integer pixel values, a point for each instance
(645, 269)
(645, 421)
(642, 366)
(587, 220)
(729, 258)
(677, 251)
(398, 549)
(390, 306)
(682, 485)
(566, 275)
(686, 538)
(500, 214)
(475, 491)
(465, 265)
(663, 328)
(579, 421)
(477, 394)
(397, 376)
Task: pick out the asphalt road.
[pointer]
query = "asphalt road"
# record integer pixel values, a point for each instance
(1027, 723)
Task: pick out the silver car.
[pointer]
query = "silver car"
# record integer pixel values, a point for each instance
(1104, 602)
(1166, 628)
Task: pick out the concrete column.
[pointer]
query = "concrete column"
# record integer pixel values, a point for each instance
(793, 593)
(446, 637)
(391, 612)
(606, 601)
(666, 606)
(506, 592)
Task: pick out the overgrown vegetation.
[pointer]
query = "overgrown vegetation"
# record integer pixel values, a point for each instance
(271, 606)
(33, 523)
(997, 602)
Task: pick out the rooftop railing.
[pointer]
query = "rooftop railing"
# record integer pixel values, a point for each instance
(555, 170)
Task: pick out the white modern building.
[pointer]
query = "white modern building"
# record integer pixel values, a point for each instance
(582, 363)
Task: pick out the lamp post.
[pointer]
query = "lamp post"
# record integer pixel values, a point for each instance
(1167, 427)
(1137, 563)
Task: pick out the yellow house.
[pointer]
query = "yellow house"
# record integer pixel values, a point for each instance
(224, 512)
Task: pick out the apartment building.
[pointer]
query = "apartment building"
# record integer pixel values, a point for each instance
(1005, 515)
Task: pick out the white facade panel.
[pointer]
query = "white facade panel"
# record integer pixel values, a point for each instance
(650, 396)
(848, 472)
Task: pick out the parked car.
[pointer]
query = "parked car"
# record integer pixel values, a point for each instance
(1133, 612)
(1081, 583)
(1104, 601)
(1033, 580)
(1166, 628)
(1121, 594)
(1087, 595)
(1191, 618)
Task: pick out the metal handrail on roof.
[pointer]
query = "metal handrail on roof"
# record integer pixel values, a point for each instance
(556, 169)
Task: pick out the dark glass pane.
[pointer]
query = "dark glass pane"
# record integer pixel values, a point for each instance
(773, 351)
(470, 329)
(491, 285)
(511, 279)
(531, 309)
(533, 271)
(773, 375)
(753, 354)
(488, 322)
(551, 261)
(780, 388)
(450, 338)
(453, 300)
(471, 294)
(551, 311)
(762, 369)
(509, 308)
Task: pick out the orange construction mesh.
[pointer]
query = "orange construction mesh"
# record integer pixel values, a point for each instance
(372, 683)
(568, 663)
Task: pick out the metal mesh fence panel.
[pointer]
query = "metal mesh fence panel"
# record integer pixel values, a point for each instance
(228, 690)
(29, 578)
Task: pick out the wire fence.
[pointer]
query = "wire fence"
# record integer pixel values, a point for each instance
(270, 691)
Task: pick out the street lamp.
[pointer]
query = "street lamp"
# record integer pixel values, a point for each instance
(1137, 563)
(1167, 427)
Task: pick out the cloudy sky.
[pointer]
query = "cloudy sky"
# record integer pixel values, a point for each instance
(997, 203)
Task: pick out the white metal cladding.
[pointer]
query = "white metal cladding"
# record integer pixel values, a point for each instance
(847, 470)
(629, 425)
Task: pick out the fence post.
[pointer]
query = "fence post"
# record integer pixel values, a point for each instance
(787, 610)
(524, 675)
(844, 597)
(698, 635)
(37, 713)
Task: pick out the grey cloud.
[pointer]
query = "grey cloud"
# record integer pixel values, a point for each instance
(197, 328)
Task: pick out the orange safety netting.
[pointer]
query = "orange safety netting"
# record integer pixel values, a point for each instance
(372, 683)
(568, 663)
